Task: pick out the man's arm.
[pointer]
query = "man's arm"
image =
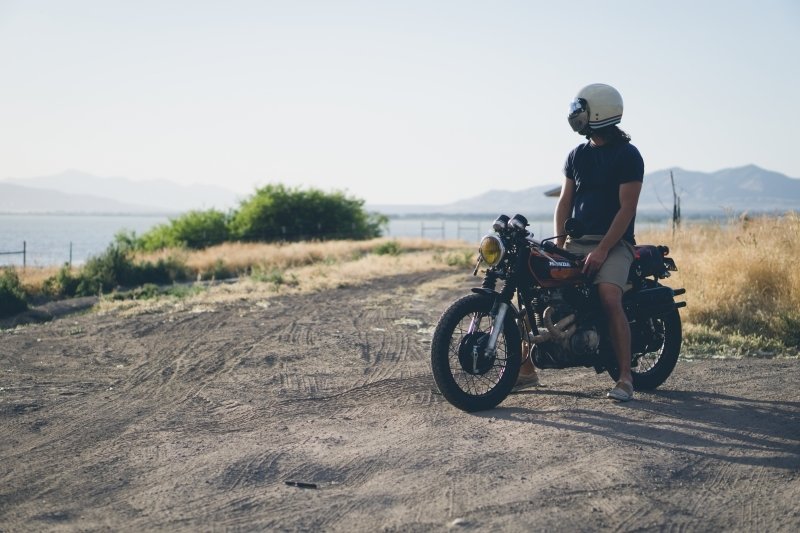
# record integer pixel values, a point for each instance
(563, 209)
(628, 200)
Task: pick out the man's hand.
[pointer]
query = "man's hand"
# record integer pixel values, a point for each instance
(594, 261)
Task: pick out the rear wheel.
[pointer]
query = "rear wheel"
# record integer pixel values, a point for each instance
(656, 344)
(469, 377)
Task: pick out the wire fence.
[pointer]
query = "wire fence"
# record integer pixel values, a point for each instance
(46, 249)
(23, 253)
(27, 253)
(465, 230)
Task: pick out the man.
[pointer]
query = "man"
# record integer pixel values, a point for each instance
(603, 178)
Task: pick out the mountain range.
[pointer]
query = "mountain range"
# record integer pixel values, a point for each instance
(73, 191)
(748, 188)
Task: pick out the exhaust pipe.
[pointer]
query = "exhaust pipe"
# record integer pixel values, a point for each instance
(560, 331)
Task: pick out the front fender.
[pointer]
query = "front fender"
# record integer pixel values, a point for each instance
(491, 293)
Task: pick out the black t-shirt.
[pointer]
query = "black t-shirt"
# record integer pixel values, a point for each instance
(598, 171)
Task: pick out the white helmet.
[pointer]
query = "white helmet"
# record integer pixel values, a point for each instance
(597, 106)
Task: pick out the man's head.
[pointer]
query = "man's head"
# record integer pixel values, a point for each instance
(595, 107)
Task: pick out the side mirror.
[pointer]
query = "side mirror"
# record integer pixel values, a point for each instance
(574, 228)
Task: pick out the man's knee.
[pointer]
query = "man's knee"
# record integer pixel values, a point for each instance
(610, 296)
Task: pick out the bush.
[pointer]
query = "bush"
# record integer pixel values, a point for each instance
(273, 275)
(195, 230)
(113, 268)
(104, 272)
(460, 259)
(164, 271)
(388, 248)
(218, 270)
(149, 291)
(62, 284)
(278, 213)
(12, 297)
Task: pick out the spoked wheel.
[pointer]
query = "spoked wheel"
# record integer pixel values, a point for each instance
(656, 344)
(468, 375)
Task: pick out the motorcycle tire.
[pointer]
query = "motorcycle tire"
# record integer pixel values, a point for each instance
(655, 374)
(453, 351)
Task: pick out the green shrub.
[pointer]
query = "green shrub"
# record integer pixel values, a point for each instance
(183, 291)
(150, 291)
(278, 213)
(63, 284)
(460, 259)
(195, 230)
(388, 248)
(104, 272)
(126, 239)
(12, 295)
(274, 276)
(218, 271)
(113, 268)
(788, 328)
(164, 271)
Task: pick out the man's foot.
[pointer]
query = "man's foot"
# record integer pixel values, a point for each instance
(622, 392)
(526, 381)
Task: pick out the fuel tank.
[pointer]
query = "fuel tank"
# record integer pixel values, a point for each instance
(551, 270)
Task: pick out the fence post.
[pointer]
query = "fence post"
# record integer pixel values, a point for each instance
(466, 228)
(424, 228)
(70, 254)
(24, 254)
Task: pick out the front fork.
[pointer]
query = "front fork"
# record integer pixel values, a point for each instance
(498, 315)
(497, 325)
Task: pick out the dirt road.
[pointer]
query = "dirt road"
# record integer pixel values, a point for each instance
(196, 418)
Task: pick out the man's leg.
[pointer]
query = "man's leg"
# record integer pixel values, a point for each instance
(527, 372)
(618, 328)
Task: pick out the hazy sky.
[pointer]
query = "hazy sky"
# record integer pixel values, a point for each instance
(393, 101)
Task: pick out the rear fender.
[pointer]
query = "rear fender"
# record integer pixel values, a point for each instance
(654, 301)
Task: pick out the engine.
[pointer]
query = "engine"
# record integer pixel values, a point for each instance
(567, 336)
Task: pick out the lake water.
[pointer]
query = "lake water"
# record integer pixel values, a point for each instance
(48, 238)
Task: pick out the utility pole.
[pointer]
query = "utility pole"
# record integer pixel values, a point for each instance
(676, 206)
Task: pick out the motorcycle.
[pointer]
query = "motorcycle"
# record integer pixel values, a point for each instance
(482, 339)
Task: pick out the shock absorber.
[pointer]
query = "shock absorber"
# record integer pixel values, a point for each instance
(499, 313)
(507, 292)
(489, 280)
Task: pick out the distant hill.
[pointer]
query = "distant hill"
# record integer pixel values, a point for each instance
(748, 188)
(18, 199)
(145, 196)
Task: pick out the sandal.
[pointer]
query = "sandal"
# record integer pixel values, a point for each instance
(622, 392)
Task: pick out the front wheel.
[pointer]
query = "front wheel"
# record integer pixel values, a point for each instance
(656, 344)
(467, 375)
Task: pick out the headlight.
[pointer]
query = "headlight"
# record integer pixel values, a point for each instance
(492, 249)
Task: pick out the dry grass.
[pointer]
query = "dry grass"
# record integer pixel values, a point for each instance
(244, 258)
(743, 288)
(742, 283)
(302, 279)
(32, 278)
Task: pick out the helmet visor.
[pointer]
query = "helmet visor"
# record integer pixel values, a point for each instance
(578, 115)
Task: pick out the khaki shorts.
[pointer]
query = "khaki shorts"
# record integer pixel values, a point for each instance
(618, 263)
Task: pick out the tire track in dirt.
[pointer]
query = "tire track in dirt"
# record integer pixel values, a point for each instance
(335, 389)
(255, 470)
(106, 415)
